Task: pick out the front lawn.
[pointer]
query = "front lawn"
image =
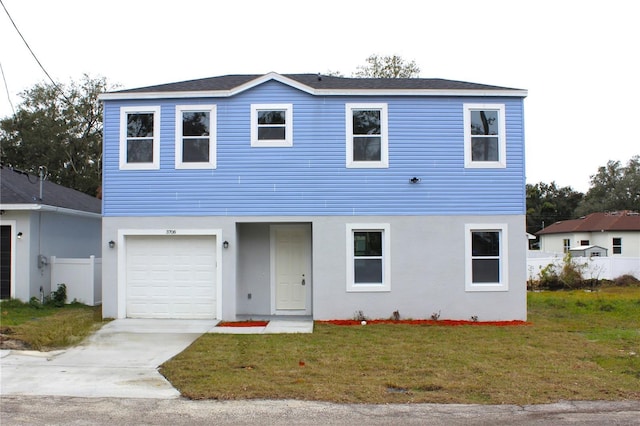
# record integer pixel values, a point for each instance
(579, 346)
(46, 327)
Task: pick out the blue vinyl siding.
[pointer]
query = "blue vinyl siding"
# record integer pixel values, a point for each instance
(426, 139)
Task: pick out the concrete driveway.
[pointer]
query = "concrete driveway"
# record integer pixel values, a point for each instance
(120, 360)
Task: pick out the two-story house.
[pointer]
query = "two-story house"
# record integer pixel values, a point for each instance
(258, 195)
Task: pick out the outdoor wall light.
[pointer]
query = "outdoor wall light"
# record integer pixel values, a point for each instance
(112, 244)
(414, 179)
(225, 244)
(19, 235)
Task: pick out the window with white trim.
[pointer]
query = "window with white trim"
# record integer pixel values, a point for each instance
(367, 136)
(566, 245)
(486, 257)
(368, 257)
(484, 136)
(195, 137)
(140, 138)
(271, 125)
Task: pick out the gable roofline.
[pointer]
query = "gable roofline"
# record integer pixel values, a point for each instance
(302, 82)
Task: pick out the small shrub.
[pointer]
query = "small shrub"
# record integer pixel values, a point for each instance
(59, 296)
(360, 316)
(626, 281)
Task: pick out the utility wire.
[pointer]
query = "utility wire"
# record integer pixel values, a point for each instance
(6, 87)
(34, 55)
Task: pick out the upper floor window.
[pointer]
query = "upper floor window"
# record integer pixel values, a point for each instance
(484, 136)
(367, 136)
(368, 257)
(271, 125)
(617, 246)
(195, 137)
(140, 138)
(486, 257)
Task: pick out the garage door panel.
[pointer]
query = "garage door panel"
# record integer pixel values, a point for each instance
(171, 276)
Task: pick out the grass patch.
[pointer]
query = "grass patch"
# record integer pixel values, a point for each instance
(46, 327)
(580, 346)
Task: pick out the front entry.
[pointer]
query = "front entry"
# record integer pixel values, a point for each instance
(5, 261)
(291, 260)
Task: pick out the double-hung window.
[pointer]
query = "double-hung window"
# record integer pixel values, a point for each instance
(486, 257)
(617, 245)
(484, 136)
(195, 137)
(368, 257)
(271, 125)
(367, 136)
(140, 138)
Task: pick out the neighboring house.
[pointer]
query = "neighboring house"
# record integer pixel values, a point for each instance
(40, 219)
(256, 195)
(616, 233)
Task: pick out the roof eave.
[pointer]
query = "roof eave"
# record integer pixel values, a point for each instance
(319, 92)
(48, 208)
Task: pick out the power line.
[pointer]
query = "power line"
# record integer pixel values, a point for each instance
(6, 87)
(34, 55)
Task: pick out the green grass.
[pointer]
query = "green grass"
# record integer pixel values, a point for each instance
(579, 346)
(48, 327)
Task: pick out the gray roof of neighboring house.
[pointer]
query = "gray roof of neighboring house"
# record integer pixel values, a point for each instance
(18, 187)
(318, 82)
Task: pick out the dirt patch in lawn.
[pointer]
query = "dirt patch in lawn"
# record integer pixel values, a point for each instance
(8, 342)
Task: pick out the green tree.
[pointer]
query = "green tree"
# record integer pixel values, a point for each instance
(613, 187)
(388, 67)
(549, 203)
(59, 127)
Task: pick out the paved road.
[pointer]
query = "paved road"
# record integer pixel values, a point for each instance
(41, 410)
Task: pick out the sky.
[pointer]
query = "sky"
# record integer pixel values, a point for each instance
(578, 60)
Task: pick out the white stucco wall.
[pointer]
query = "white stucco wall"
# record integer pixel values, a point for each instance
(427, 266)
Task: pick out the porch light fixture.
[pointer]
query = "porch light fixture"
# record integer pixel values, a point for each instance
(112, 244)
(414, 179)
(19, 235)
(225, 244)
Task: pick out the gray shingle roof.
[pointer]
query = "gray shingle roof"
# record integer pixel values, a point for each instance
(17, 187)
(318, 82)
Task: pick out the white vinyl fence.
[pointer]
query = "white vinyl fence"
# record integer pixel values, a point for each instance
(83, 278)
(594, 267)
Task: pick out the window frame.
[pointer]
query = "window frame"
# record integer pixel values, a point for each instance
(288, 126)
(616, 248)
(179, 163)
(385, 229)
(502, 137)
(503, 283)
(144, 109)
(566, 245)
(384, 136)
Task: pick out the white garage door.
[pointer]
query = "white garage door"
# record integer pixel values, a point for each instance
(171, 276)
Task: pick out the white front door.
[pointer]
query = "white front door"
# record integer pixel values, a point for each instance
(292, 264)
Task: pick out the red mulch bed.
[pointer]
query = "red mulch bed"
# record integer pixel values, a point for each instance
(427, 322)
(242, 324)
